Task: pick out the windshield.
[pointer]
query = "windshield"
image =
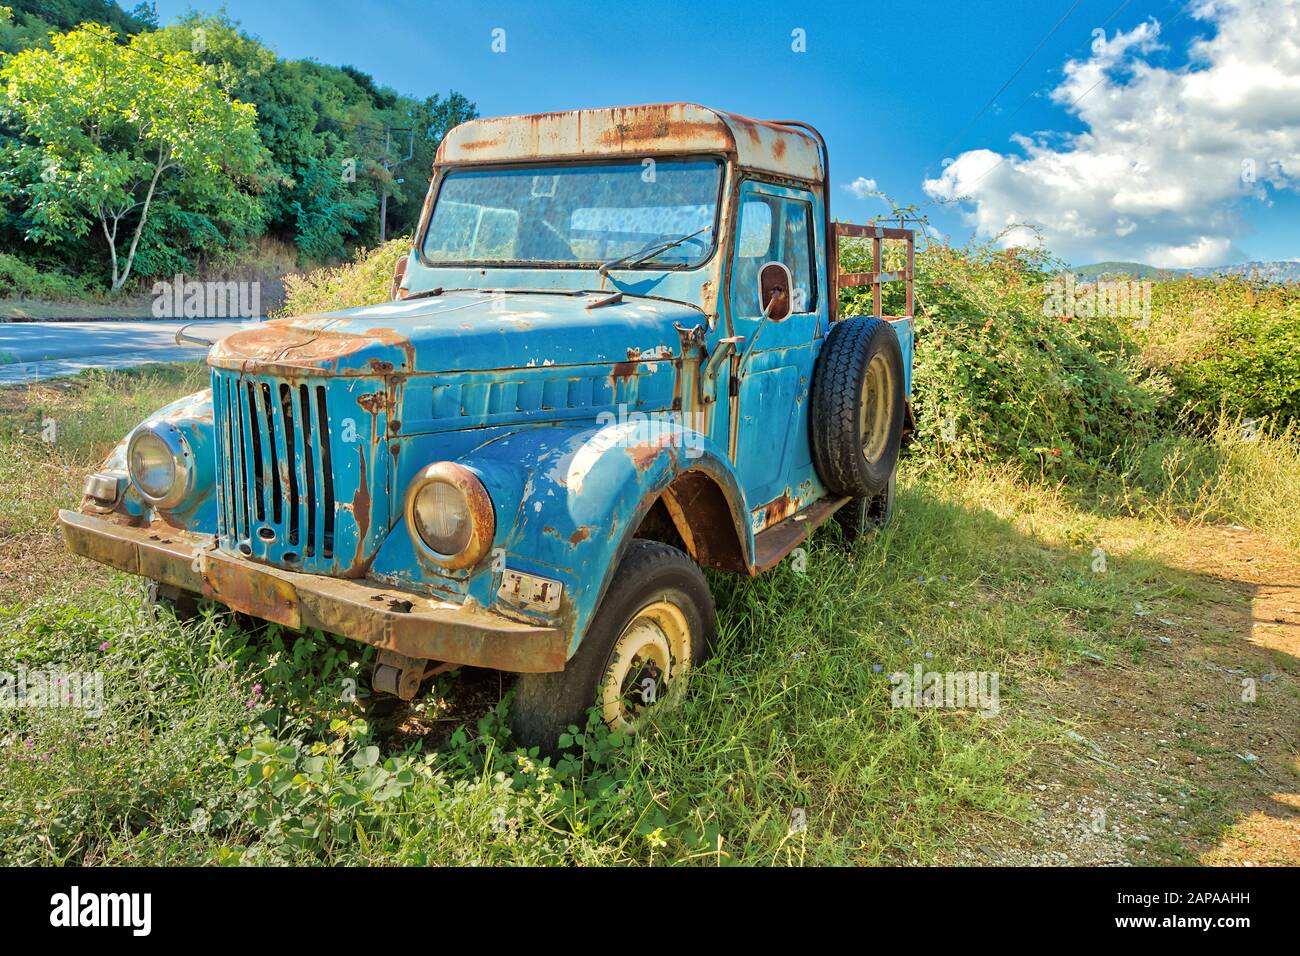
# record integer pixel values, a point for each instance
(576, 215)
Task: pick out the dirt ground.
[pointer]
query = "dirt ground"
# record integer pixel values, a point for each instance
(1191, 758)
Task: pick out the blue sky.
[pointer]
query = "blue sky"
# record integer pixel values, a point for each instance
(896, 89)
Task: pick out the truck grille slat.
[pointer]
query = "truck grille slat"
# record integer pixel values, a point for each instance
(275, 481)
(327, 474)
(251, 415)
(220, 420)
(229, 463)
(270, 465)
(309, 462)
(292, 456)
(240, 413)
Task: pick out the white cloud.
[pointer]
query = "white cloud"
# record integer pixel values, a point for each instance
(1166, 156)
(862, 187)
(1205, 251)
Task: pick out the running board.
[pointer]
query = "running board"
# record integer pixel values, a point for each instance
(774, 543)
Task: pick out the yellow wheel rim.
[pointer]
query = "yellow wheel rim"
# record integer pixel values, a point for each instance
(649, 661)
(877, 409)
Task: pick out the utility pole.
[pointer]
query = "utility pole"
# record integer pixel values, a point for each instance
(388, 167)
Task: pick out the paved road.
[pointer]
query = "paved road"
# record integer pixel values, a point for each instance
(37, 350)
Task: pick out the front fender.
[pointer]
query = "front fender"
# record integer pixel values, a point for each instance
(193, 416)
(568, 500)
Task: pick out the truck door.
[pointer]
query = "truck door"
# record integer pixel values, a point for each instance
(769, 444)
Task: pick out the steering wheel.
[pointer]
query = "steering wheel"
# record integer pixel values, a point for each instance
(568, 249)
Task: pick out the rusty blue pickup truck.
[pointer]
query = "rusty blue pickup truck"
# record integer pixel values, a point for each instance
(613, 356)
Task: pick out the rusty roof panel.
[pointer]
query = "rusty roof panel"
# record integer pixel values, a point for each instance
(635, 131)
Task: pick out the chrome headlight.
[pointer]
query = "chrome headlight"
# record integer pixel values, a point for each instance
(160, 463)
(449, 512)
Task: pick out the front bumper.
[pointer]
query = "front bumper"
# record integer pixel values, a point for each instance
(431, 629)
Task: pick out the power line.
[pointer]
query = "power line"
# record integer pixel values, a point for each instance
(108, 38)
(1012, 77)
(1026, 101)
(1002, 159)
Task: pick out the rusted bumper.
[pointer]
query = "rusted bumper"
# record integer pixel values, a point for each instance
(431, 629)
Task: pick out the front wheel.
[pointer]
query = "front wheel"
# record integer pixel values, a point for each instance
(655, 623)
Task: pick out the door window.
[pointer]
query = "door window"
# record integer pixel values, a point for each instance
(773, 229)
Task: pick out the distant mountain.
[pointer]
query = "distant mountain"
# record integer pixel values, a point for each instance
(1136, 270)
(1282, 270)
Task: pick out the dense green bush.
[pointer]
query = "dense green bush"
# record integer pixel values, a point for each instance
(1229, 344)
(22, 279)
(996, 378)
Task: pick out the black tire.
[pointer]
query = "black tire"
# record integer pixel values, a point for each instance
(857, 420)
(164, 598)
(864, 516)
(650, 574)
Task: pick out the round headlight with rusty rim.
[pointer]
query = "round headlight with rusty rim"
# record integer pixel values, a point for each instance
(451, 515)
(160, 463)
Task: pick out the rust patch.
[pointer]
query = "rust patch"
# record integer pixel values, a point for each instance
(475, 145)
(264, 596)
(660, 124)
(646, 454)
(361, 514)
(282, 341)
(778, 509)
(376, 403)
(704, 520)
(582, 534)
(623, 370)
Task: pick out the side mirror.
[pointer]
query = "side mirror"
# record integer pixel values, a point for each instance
(395, 290)
(774, 285)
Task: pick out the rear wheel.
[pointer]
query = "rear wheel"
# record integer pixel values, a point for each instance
(862, 516)
(655, 623)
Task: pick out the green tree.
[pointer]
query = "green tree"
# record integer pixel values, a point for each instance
(32, 21)
(329, 131)
(116, 136)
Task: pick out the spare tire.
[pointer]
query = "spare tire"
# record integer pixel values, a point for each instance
(858, 407)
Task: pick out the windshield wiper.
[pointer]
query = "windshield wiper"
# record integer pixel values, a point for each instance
(648, 252)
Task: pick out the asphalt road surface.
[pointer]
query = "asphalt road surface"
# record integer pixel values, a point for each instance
(30, 351)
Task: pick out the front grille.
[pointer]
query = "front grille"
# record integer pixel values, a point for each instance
(275, 469)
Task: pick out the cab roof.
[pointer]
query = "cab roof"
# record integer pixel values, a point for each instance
(636, 131)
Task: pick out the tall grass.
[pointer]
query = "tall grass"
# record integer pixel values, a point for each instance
(192, 761)
(1237, 471)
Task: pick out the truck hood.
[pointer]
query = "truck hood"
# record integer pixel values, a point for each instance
(460, 331)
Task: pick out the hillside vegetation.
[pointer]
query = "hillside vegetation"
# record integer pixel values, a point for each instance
(93, 110)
